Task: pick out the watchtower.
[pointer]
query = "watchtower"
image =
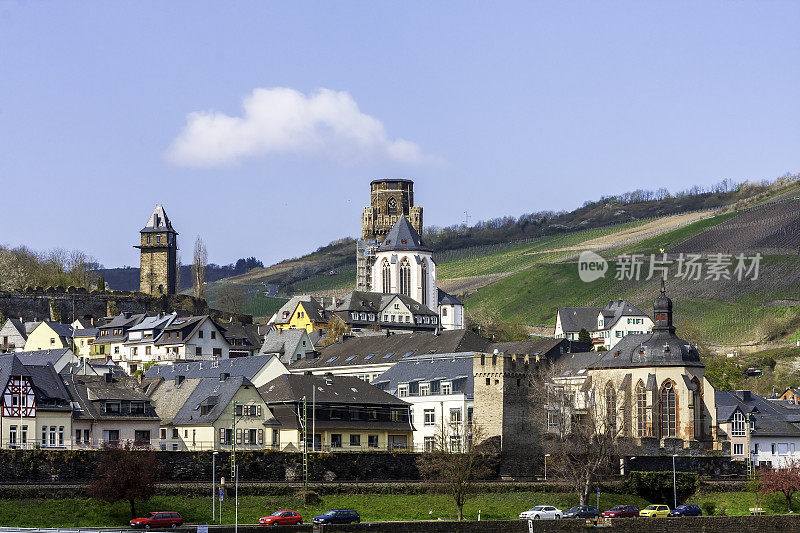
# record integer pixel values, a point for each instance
(159, 251)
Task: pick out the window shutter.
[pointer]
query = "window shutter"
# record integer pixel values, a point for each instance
(260, 434)
(258, 411)
(238, 435)
(247, 436)
(222, 435)
(238, 410)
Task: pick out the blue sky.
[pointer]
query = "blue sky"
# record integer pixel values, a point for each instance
(495, 108)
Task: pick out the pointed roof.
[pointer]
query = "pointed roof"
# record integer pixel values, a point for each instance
(158, 222)
(403, 236)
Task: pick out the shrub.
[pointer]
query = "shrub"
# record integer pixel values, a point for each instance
(708, 507)
(657, 486)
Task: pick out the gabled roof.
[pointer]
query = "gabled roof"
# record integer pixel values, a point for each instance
(376, 302)
(313, 309)
(379, 350)
(64, 331)
(213, 393)
(447, 299)
(18, 325)
(574, 319)
(47, 384)
(85, 333)
(403, 237)
(277, 341)
(342, 390)
(44, 357)
(153, 322)
(158, 222)
(454, 367)
(234, 333)
(90, 392)
(187, 326)
(615, 310)
(771, 418)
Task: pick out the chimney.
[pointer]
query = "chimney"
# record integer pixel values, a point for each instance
(140, 378)
(109, 377)
(746, 396)
(224, 376)
(178, 380)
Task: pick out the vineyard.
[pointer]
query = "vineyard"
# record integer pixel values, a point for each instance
(772, 228)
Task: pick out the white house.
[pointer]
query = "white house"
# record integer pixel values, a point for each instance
(140, 347)
(440, 390)
(606, 325)
(770, 427)
(194, 338)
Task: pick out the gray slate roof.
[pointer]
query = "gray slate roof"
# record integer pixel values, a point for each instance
(403, 237)
(313, 309)
(158, 222)
(382, 349)
(574, 319)
(209, 391)
(447, 299)
(660, 348)
(91, 392)
(277, 341)
(455, 367)
(42, 357)
(341, 390)
(771, 418)
(247, 367)
(48, 387)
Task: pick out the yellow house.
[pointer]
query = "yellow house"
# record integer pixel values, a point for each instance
(49, 335)
(302, 312)
(198, 414)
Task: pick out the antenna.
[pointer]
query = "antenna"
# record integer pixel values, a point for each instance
(466, 218)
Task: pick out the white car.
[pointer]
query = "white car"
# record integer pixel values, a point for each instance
(541, 511)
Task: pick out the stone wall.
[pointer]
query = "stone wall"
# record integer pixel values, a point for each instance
(710, 524)
(71, 302)
(78, 466)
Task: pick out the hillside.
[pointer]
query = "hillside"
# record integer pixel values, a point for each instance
(524, 281)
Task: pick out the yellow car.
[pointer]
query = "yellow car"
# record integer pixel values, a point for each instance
(655, 510)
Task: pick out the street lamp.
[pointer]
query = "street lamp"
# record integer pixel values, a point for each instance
(213, 487)
(674, 484)
(545, 465)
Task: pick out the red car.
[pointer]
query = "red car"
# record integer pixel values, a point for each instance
(621, 511)
(158, 519)
(281, 518)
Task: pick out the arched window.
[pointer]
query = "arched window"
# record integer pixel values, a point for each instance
(424, 282)
(611, 408)
(386, 271)
(668, 410)
(641, 410)
(391, 206)
(405, 277)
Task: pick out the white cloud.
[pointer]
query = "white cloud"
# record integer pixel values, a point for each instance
(282, 120)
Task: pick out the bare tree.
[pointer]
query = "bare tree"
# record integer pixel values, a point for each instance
(199, 269)
(580, 427)
(126, 472)
(458, 457)
(178, 267)
(336, 329)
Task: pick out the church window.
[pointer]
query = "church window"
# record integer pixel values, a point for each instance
(424, 282)
(387, 276)
(391, 205)
(697, 404)
(611, 409)
(641, 410)
(405, 277)
(668, 410)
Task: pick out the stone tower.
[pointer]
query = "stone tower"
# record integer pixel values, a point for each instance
(390, 199)
(159, 252)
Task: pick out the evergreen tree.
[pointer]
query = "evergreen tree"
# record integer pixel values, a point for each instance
(584, 336)
(101, 282)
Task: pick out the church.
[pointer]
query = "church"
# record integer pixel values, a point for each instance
(648, 386)
(392, 258)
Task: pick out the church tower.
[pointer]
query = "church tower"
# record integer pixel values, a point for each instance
(159, 251)
(390, 199)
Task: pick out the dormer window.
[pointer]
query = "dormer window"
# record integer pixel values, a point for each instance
(424, 389)
(402, 390)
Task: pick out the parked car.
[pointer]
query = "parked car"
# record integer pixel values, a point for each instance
(338, 516)
(158, 519)
(621, 511)
(281, 518)
(655, 510)
(582, 511)
(541, 511)
(686, 510)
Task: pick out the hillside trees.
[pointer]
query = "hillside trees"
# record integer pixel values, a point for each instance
(22, 267)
